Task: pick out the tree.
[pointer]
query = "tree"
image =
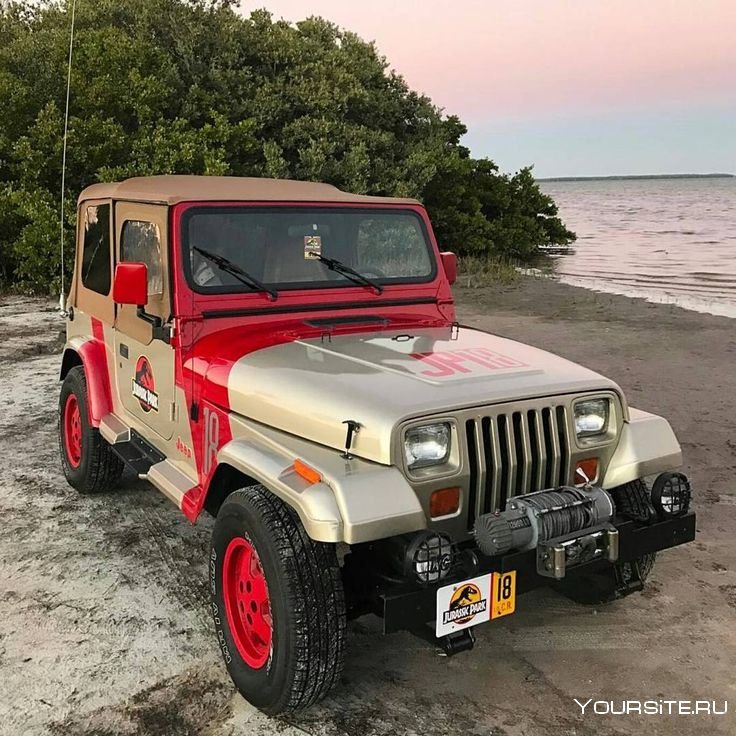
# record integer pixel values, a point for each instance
(190, 86)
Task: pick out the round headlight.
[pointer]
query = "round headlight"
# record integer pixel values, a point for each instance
(591, 417)
(427, 445)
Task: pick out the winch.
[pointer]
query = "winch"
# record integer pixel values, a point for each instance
(575, 520)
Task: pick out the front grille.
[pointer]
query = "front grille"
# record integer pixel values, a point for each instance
(514, 453)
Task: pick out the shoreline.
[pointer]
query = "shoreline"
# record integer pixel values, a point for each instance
(687, 303)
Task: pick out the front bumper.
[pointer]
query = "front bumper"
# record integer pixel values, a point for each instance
(410, 606)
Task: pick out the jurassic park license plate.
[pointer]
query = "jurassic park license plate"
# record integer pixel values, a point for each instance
(475, 601)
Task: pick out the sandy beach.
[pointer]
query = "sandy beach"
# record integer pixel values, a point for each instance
(104, 618)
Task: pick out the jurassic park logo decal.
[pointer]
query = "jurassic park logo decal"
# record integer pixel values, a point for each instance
(144, 387)
(466, 603)
(463, 604)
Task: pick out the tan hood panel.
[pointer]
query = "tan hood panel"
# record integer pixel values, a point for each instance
(379, 379)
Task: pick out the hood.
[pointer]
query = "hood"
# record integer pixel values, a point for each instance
(310, 387)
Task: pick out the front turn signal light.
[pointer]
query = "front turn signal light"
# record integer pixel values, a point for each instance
(307, 472)
(586, 471)
(444, 502)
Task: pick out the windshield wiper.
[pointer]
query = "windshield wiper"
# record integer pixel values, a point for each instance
(339, 267)
(234, 270)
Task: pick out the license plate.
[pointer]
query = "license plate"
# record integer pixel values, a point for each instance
(503, 593)
(475, 601)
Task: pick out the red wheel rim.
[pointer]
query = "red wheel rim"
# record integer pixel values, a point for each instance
(72, 431)
(247, 604)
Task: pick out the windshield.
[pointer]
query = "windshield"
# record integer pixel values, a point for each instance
(297, 248)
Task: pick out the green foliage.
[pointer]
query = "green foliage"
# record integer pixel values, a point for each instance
(190, 86)
(474, 272)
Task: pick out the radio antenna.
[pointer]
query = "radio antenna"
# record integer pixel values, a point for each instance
(62, 305)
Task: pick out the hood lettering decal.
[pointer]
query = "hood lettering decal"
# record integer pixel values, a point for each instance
(466, 360)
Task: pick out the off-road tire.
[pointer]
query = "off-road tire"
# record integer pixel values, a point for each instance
(603, 587)
(305, 596)
(633, 500)
(98, 467)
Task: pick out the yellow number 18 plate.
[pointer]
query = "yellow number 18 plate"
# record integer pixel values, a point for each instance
(503, 593)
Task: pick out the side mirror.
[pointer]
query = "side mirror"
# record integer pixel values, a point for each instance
(449, 262)
(130, 285)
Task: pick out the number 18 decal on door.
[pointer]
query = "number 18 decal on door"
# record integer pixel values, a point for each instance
(211, 440)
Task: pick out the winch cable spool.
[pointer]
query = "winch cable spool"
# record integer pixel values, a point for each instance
(563, 512)
(62, 292)
(540, 517)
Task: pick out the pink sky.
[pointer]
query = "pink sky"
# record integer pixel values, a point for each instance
(495, 62)
(477, 57)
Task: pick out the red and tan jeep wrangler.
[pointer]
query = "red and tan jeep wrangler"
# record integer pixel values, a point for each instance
(286, 356)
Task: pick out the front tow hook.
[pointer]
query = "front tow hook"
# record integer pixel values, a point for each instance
(459, 641)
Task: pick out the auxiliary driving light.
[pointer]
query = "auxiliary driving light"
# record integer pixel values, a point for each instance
(671, 494)
(429, 556)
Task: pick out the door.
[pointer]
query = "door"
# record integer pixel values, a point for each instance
(144, 365)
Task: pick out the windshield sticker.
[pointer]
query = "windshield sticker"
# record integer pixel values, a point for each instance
(312, 246)
(468, 360)
(144, 385)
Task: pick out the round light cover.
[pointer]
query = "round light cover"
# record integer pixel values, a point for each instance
(429, 556)
(591, 417)
(671, 494)
(427, 445)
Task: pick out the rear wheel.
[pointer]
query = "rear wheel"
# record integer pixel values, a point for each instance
(89, 463)
(278, 603)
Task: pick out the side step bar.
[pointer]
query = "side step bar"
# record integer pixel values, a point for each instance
(113, 430)
(138, 453)
(170, 481)
(145, 459)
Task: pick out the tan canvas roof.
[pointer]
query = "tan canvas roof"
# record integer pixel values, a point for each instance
(173, 189)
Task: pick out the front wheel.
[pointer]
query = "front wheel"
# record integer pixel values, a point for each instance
(606, 586)
(277, 601)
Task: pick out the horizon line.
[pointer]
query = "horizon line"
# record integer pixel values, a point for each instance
(711, 175)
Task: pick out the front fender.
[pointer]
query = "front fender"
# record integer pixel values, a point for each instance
(647, 446)
(356, 500)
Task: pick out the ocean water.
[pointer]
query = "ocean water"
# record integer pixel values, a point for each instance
(666, 240)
